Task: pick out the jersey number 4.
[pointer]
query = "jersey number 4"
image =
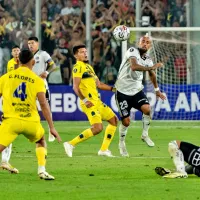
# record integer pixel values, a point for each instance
(20, 92)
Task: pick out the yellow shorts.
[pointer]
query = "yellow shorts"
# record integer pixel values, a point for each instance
(12, 127)
(98, 113)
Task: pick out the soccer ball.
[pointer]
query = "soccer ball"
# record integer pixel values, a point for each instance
(121, 33)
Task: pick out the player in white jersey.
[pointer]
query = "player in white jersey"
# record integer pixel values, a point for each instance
(129, 89)
(43, 66)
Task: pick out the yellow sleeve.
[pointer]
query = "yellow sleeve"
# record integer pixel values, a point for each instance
(1, 84)
(10, 66)
(78, 71)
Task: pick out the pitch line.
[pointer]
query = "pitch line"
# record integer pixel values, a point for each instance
(93, 156)
(156, 127)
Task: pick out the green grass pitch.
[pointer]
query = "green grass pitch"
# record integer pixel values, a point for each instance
(88, 176)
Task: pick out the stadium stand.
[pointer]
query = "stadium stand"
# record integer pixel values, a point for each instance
(63, 25)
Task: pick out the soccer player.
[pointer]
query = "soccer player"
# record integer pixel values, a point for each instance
(20, 88)
(14, 62)
(85, 84)
(182, 151)
(43, 66)
(6, 153)
(129, 89)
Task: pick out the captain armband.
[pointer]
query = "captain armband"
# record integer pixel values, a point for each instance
(113, 89)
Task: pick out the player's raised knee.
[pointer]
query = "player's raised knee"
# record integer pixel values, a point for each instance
(146, 109)
(97, 128)
(115, 120)
(126, 122)
(173, 145)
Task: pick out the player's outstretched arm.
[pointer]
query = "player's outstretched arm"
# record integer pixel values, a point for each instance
(103, 86)
(156, 66)
(136, 67)
(47, 114)
(153, 79)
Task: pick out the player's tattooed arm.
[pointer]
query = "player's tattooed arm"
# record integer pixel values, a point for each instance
(51, 66)
(153, 79)
(152, 76)
(137, 67)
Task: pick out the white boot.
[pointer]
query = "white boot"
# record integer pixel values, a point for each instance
(68, 148)
(122, 149)
(105, 153)
(148, 141)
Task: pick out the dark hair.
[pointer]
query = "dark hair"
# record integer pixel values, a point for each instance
(25, 56)
(77, 47)
(15, 46)
(33, 38)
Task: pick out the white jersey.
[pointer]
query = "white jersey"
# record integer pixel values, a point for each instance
(129, 82)
(42, 59)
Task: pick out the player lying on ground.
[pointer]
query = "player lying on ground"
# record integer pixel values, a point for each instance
(180, 152)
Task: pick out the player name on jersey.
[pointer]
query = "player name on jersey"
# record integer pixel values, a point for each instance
(25, 78)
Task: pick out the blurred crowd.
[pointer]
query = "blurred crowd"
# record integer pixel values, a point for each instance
(164, 13)
(63, 25)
